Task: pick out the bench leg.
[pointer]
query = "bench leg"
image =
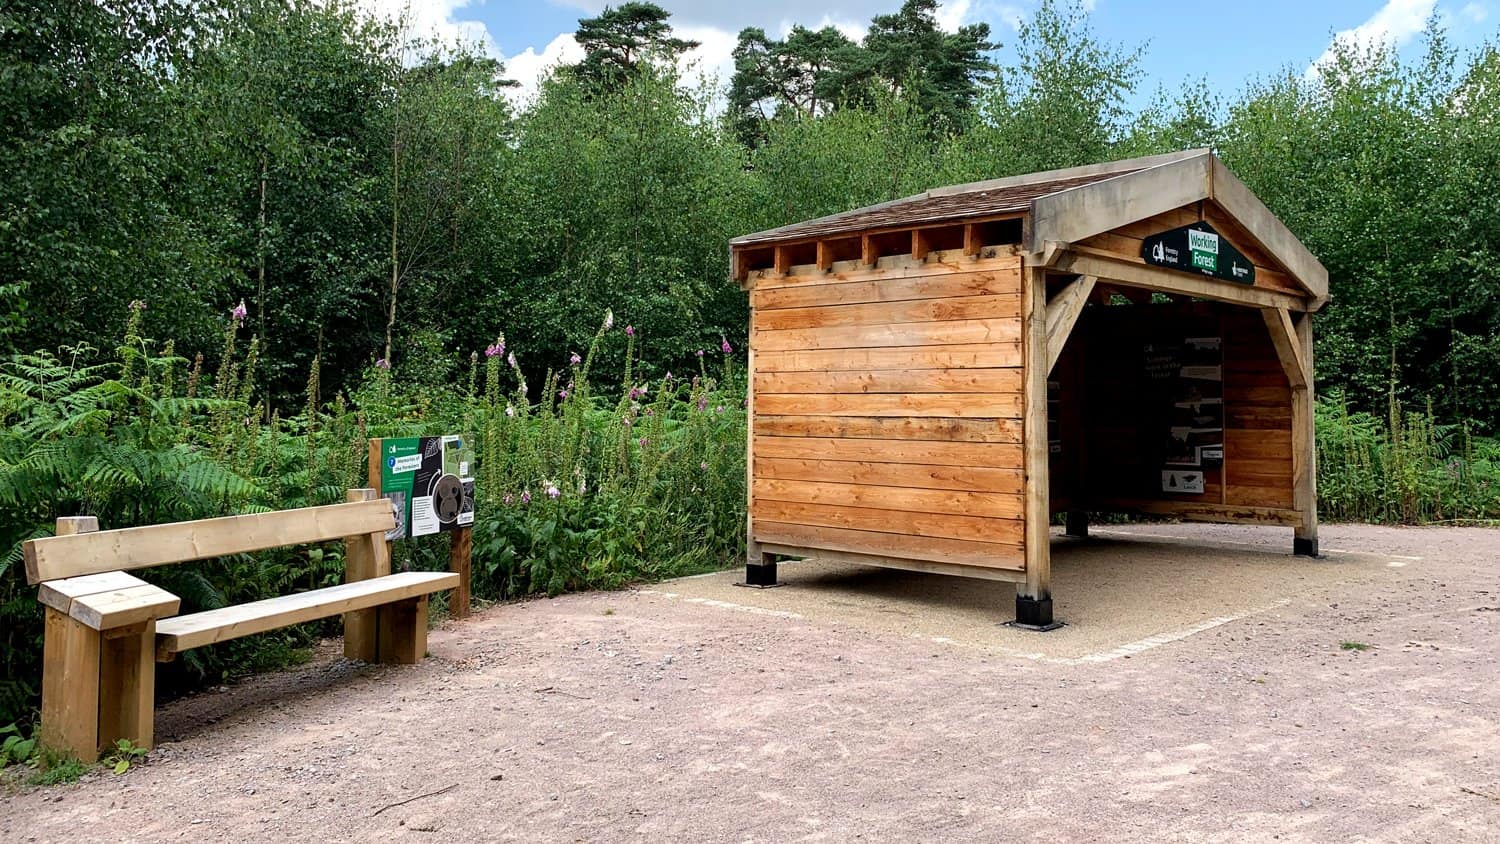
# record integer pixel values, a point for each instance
(127, 685)
(70, 686)
(403, 631)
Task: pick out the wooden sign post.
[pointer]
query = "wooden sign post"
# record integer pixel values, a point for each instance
(460, 537)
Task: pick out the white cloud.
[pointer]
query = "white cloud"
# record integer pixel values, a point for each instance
(440, 20)
(1476, 12)
(528, 66)
(1395, 24)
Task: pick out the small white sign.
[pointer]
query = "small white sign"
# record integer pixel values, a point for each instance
(409, 463)
(1178, 481)
(424, 518)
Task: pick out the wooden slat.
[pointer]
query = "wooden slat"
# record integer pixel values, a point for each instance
(994, 455)
(1006, 380)
(985, 504)
(892, 267)
(1249, 444)
(944, 405)
(60, 594)
(975, 355)
(939, 526)
(1254, 496)
(949, 286)
(1288, 351)
(890, 428)
(205, 628)
(124, 607)
(892, 313)
(953, 551)
(882, 561)
(142, 547)
(969, 478)
(955, 332)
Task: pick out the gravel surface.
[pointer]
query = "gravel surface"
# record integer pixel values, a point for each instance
(681, 713)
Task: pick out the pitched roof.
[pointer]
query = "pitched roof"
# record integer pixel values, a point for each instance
(957, 202)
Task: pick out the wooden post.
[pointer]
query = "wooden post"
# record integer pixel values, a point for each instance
(70, 672)
(127, 685)
(1304, 448)
(1034, 597)
(366, 555)
(460, 561)
(403, 631)
(759, 571)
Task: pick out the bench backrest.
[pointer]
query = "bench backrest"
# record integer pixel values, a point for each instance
(57, 557)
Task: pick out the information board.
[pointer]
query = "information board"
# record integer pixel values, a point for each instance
(430, 483)
(1198, 248)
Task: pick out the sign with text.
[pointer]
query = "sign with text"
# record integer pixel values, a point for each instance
(430, 483)
(1198, 248)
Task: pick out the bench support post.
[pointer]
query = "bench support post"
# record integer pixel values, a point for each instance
(70, 686)
(127, 685)
(366, 555)
(403, 631)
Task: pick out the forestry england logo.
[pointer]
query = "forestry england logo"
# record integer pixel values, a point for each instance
(1204, 247)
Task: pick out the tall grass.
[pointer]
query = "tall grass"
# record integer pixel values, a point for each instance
(1406, 467)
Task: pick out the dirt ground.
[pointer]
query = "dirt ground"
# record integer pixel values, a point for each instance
(1199, 693)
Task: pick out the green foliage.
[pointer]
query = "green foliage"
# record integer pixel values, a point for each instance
(1354, 646)
(621, 41)
(15, 748)
(122, 756)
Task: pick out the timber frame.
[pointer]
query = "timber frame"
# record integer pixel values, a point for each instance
(901, 356)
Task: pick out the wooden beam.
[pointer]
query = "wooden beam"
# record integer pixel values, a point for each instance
(57, 557)
(1304, 447)
(1109, 267)
(1071, 215)
(825, 256)
(783, 260)
(931, 566)
(754, 555)
(1268, 232)
(1037, 506)
(1063, 312)
(1288, 350)
(972, 243)
(1199, 512)
(919, 245)
(867, 252)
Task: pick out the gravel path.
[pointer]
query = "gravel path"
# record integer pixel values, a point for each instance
(637, 716)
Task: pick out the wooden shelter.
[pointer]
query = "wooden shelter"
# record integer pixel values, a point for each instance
(932, 378)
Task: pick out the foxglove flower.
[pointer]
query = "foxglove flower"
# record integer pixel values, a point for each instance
(511, 359)
(510, 410)
(724, 345)
(525, 496)
(700, 353)
(382, 364)
(629, 331)
(575, 359)
(552, 490)
(609, 320)
(239, 311)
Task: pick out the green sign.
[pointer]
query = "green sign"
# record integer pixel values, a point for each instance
(430, 482)
(1198, 248)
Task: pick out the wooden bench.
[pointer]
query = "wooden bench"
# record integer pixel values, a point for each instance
(105, 628)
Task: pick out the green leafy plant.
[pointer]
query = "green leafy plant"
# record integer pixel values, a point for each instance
(15, 748)
(123, 755)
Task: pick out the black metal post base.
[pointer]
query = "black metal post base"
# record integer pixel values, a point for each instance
(762, 576)
(1034, 614)
(1078, 524)
(1304, 547)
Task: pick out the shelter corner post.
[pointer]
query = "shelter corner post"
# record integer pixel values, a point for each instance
(1304, 448)
(1034, 596)
(760, 568)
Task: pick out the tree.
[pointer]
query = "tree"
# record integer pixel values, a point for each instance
(939, 72)
(619, 40)
(807, 74)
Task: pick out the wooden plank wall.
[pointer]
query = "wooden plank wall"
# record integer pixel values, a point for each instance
(887, 411)
(1118, 448)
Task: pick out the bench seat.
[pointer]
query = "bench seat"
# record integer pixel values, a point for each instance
(174, 635)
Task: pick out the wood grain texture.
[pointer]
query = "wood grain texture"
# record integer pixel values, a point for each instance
(1007, 380)
(890, 428)
(124, 607)
(939, 405)
(205, 628)
(937, 526)
(914, 475)
(937, 501)
(958, 356)
(995, 455)
(882, 561)
(955, 332)
(70, 686)
(892, 313)
(956, 552)
(837, 292)
(893, 267)
(1036, 460)
(153, 545)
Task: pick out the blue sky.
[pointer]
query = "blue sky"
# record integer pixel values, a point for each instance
(1226, 43)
